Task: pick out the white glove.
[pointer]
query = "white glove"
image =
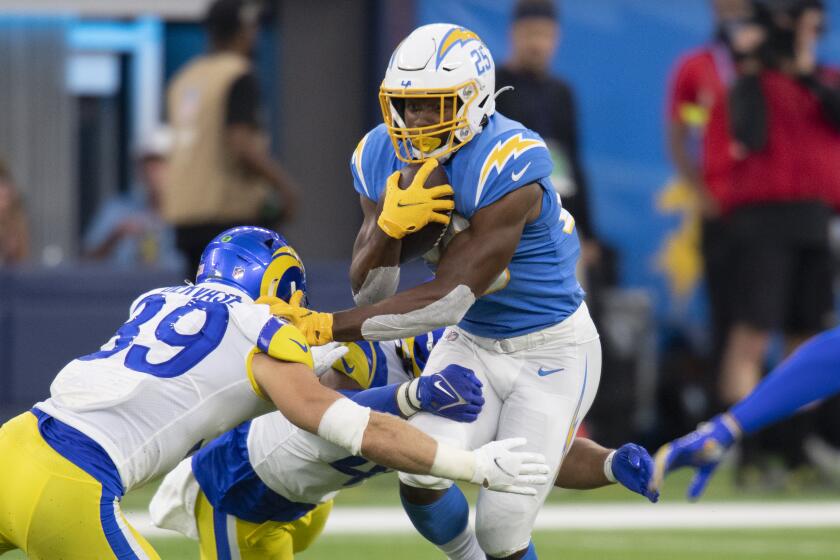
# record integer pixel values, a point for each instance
(498, 468)
(325, 356)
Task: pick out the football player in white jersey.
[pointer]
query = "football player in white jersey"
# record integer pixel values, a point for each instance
(505, 286)
(191, 363)
(265, 489)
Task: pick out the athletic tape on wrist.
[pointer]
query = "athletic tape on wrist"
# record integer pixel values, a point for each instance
(454, 464)
(344, 424)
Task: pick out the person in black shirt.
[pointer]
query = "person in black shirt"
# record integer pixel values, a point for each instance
(546, 104)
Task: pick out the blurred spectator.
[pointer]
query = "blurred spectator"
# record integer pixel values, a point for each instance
(14, 226)
(785, 118)
(128, 231)
(699, 144)
(546, 104)
(220, 166)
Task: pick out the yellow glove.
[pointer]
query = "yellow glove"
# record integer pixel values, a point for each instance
(315, 326)
(409, 210)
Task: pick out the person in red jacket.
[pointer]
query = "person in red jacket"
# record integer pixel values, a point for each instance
(699, 145)
(785, 119)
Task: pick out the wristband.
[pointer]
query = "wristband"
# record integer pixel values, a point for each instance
(407, 400)
(608, 471)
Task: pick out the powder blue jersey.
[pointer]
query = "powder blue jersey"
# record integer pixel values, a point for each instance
(543, 289)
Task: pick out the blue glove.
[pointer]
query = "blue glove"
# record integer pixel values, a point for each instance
(454, 392)
(632, 467)
(702, 449)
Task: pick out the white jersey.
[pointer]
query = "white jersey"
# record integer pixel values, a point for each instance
(175, 375)
(301, 466)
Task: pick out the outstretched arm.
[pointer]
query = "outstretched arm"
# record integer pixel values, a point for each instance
(388, 440)
(810, 374)
(454, 392)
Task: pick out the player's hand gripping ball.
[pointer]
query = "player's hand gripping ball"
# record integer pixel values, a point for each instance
(417, 207)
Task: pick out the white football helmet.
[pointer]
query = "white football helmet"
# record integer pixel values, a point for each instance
(442, 61)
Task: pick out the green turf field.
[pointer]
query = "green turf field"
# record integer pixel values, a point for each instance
(804, 544)
(647, 544)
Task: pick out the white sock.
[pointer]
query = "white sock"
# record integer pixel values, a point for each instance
(463, 547)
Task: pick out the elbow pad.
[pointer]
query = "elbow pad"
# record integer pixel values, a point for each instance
(380, 283)
(446, 311)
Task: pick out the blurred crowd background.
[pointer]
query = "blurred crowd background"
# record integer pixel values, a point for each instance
(696, 142)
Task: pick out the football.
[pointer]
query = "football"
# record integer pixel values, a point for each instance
(415, 245)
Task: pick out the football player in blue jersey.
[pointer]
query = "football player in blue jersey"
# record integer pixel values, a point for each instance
(191, 362)
(505, 286)
(812, 373)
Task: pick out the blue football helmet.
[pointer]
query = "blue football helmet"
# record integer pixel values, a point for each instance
(255, 260)
(415, 350)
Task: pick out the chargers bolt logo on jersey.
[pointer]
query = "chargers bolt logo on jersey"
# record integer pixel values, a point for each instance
(501, 153)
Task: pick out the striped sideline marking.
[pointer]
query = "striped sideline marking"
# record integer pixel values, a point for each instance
(591, 517)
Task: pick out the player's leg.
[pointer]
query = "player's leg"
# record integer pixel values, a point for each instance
(53, 509)
(280, 540)
(217, 538)
(309, 527)
(436, 507)
(763, 273)
(555, 388)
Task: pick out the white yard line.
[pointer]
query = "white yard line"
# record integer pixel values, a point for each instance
(592, 517)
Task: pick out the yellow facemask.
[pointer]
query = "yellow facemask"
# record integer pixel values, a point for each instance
(450, 133)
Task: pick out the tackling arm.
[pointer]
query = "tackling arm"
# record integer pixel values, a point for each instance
(388, 440)
(472, 261)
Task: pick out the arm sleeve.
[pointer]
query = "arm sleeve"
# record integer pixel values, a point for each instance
(380, 399)
(748, 112)
(243, 101)
(810, 374)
